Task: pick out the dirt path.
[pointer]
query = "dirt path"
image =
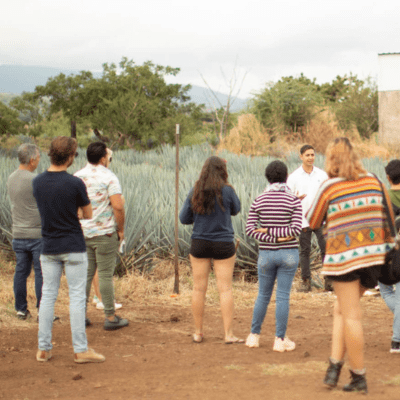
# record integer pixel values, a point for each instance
(154, 358)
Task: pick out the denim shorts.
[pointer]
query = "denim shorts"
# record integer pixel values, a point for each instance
(368, 276)
(207, 249)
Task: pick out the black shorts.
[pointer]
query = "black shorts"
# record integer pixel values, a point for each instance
(368, 276)
(207, 249)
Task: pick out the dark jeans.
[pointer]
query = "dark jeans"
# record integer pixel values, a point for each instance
(27, 252)
(305, 249)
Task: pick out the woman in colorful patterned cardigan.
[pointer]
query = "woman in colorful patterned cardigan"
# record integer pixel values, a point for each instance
(350, 203)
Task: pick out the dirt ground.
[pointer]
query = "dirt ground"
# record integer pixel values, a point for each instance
(155, 358)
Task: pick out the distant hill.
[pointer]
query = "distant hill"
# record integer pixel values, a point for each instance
(15, 79)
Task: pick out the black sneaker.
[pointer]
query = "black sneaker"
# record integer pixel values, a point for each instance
(395, 348)
(88, 322)
(118, 323)
(23, 315)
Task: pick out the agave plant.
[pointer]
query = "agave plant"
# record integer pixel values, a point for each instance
(148, 184)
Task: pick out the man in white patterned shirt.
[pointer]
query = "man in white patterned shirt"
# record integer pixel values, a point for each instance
(104, 231)
(305, 182)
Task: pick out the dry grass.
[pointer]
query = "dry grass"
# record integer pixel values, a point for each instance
(135, 288)
(251, 138)
(395, 381)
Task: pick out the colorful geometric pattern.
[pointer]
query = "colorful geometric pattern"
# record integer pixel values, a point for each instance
(356, 224)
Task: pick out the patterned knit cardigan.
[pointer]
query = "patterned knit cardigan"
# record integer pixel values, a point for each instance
(357, 231)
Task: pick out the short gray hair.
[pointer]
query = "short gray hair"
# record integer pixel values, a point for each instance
(27, 152)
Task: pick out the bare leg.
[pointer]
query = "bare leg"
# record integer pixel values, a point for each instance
(201, 269)
(224, 273)
(348, 316)
(338, 344)
(96, 285)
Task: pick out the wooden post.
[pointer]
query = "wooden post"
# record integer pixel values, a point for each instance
(73, 129)
(176, 284)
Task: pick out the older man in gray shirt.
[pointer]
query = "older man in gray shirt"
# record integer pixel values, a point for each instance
(26, 227)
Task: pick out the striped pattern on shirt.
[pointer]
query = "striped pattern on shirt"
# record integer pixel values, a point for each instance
(357, 231)
(281, 213)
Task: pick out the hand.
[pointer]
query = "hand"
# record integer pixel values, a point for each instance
(261, 230)
(285, 239)
(121, 235)
(302, 196)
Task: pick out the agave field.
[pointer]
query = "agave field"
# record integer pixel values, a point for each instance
(148, 184)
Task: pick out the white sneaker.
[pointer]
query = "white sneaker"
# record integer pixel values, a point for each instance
(282, 345)
(96, 299)
(100, 306)
(253, 340)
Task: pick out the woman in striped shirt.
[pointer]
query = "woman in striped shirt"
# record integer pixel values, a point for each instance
(275, 220)
(350, 203)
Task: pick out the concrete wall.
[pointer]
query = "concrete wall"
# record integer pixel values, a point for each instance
(389, 117)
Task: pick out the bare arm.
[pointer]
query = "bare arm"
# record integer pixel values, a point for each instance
(86, 212)
(117, 204)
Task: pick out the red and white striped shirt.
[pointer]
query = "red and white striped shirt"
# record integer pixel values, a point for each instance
(280, 211)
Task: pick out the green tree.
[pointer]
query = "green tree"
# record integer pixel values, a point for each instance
(137, 107)
(287, 105)
(9, 121)
(66, 94)
(355, 103)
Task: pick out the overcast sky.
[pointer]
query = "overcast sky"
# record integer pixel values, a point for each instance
(265, 39)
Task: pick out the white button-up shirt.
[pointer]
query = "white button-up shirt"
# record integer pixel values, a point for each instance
(302, 182)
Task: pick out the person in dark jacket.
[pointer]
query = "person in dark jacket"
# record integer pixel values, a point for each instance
(209, 207)
(391, 293)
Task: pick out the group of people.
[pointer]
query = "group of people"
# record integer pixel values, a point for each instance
(76, 224)
(66, 223)
(341, 205)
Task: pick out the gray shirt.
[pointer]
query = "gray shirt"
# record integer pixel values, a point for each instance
(24, 211)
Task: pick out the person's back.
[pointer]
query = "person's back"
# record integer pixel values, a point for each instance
(280, 212)
(59, 195)
(26, 228)
(216, 226)
(24, 211)
(104, 230)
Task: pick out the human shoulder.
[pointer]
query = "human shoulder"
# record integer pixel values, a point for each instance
(320, 172)
(228, 189)
(296, 172)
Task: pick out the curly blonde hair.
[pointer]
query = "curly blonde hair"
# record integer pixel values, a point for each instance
(342, 161)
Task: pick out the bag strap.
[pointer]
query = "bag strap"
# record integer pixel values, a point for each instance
(387, 210)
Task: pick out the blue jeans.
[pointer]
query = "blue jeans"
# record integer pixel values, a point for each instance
(274, 265)
(27, 252)
(392, 300)
(75, 265)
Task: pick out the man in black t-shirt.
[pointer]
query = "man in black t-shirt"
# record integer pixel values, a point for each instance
(58, 196)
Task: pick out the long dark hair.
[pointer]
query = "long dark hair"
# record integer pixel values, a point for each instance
(213, 177)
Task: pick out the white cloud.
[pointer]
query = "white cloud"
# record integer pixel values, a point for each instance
(267, 39)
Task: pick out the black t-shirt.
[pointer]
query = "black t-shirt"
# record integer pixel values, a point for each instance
(58, 196)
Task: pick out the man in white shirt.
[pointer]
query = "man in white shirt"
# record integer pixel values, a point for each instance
(105, 230)
(305, 182)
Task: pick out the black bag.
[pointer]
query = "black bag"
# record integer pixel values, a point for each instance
(390, 271)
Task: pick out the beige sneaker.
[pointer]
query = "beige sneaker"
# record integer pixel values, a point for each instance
(282, 345)
(253, 340)
(43, 355)
(89, 356)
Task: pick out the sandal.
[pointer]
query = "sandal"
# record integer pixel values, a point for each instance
(197, 337)
(234, 340)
